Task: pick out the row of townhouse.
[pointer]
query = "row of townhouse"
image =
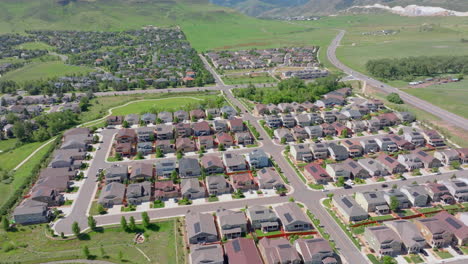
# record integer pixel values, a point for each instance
(414, 195)
(172, 117)
(56, 179)
(404, 236)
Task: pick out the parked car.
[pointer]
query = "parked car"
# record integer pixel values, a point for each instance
(384, 185)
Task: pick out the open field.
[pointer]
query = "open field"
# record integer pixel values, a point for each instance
(450, 96)
(244, 79)
(7, 144)
(35, 46)
(32, 245)
(11, 158)
(44, 70)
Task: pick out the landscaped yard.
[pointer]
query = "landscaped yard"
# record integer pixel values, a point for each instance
(32, 246)
(443, 254)
(428, 210)
(381, 217)
(44, 70)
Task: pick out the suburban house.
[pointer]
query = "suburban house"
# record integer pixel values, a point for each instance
(374, 167)
(242, 250)
(183, 130)
(439, 193)
(349, 209)
(212, 164)
(116, 173)
(181, 115)
(356, 170)
(164, 168)
(165, 117)
(262, 218)
(406, 117)
(357, 126)
(200, 228)
(388, 119)
(268, 178)
(410, 161)
(138, 193)
(112, 194)
(403, 201)
(301, 152)
(463, 152)
(47, 195)
(409, 234)
(145, 148)
(328, 117)
(212, 254)
(273, 109)
(337, 170)
(454, 226)
(284, 134)
(383, 240)
(386, 144)
(141, 172)
(373, 125)
(369, 146)
(278, 251)
(315, 251)
(337, 152)
(197, 114)
(328, 130)
(415, 138)
(225, 139)
(244, 138)
(299, 133)
(164, 132)
(165, 190)
(314, 131)
(303, 120)
(148, 118)
(417, 194)
(234, 162)
(447, 156)
(273, 121)
(31, 212)
(220, 126)
(458, 189)
(260, 109)
(428, 160)
(132, 119)
(433, 138)
(185, 145)
(201, 129)
(229, 111)
(292, 217)
(288, 120)
(434, 231)
(217, 184)
(315, 173)
(232, 224)
(236, 125)
(285, 107)
(402, 143)
(390, 164)
(320, 150)
(126, 135)
(189, 167)
(372, 202)
(258, 159)
(242, 182)
(114, 120)
(353, 147)
(191, 188)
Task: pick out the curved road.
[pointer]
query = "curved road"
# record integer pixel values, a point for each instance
(412, 100)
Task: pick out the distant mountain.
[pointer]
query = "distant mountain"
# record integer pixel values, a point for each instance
(278, 8)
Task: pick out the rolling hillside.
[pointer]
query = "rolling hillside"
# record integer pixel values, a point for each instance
(277, 8)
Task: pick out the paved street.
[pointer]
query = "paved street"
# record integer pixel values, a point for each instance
(407, 98)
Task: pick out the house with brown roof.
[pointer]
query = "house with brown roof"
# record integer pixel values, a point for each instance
(142, 172)
(455, 226)
(242, 250)
(225, 139)
(434, 231)
(269, 178)
(353, 147)
(164, 132)
(200, 228)
(212, 164)
(328, 129)
(207, 142)
(244, 138)
(236, 125)
(433, 138)
(413, 241)
(183, 130)
(126, 135)
(447, 156)
(388, 119)
(315, 251)
(428, 160)
(260, 109)
(243, 182)
(383, 240)
(356, 170)
(340, 128)
(197, 114)
(402, 143)
(278, 250)
(124, 149)
(185, 144)
(114, 120)
(315, 173)
(391, 164)
(165, 190)
(439, 193)
(166, 146)
(463, 152)
(201, 129)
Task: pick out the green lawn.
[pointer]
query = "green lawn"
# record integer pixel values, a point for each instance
(242, 79)
(7, 144)
(13, 157)
(450, 96)
(166, 104)
(443, 254)
(428, 210)
(35, 46)
(381, 217)
(44, 70)
(32, 246)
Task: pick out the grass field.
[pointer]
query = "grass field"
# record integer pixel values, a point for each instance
(450, 96)
(35, 46)
(162, 104)
(44, 70)
(32, 245)
(11, 158)
(7, 144)
(243, 79)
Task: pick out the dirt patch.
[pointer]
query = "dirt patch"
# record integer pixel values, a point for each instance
(250, 44)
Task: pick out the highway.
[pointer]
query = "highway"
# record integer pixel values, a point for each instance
(445, 115)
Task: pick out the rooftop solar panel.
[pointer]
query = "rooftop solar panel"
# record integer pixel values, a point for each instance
(372, 195)
(353, 165)
(197, 228)
(236, 245)
(453, 223)
(422, 153)
(347, 202)
(288, 217)
(389, 159)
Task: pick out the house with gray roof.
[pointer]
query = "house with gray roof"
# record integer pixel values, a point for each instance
(303, 120)
(439, 193)
(165, 117)
(228, 110)
(191, 188)
(386, 144)
(372, 201)
(273, 121)
(181, 115)
(200, 228)
(427, 159)
(417, 194)
(164, 168)
(284, 133)
(232, 224)
(141, 172)
(212, 164)
(458, 189)
(46, 194)
(353, 147)
(257, 158)
(369, 146)
(148, 118)
(278, 251)
(220, 126)
(288, 120)
(292, 217)
(356, 170)
(403, 201)
(383, 240)
(234, 162)
(337, 170)
(112, 194)
(406, 116)
(416, 138)
(262, 218)
(410, 161)
(390, 164)
(189, 167)
(203, 254)
(145, 134)
(314, 131)
(31, 212)
(116, 173)
(447, 156)
(269, 178)
(434, 231)
(138, 193)
(301, 152)
(315, 251)
(374, 167)
(413, 241)
(337, 152)
(145, 148)
(217, 185)
(349, 208)
(132, 119)
(320, 150)
(164, 132)
(213, 112)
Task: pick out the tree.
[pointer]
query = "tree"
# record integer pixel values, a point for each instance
(101, 209)
(340, 181)
(86, 252)
(118, 156)
(179, 154)
(159, 153)
(400, 131)
(103, 253)
(394, 98)
(455, 164)
(344, 133)
(91, 222)
(146, 220)
(388, 260)
(132, 224)
(5, 223)
(139, 155)
(283, 140)
(125, 124)
(394, 203)
(123, 223)
(76, 229)
(221, 147)
(174, 177)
